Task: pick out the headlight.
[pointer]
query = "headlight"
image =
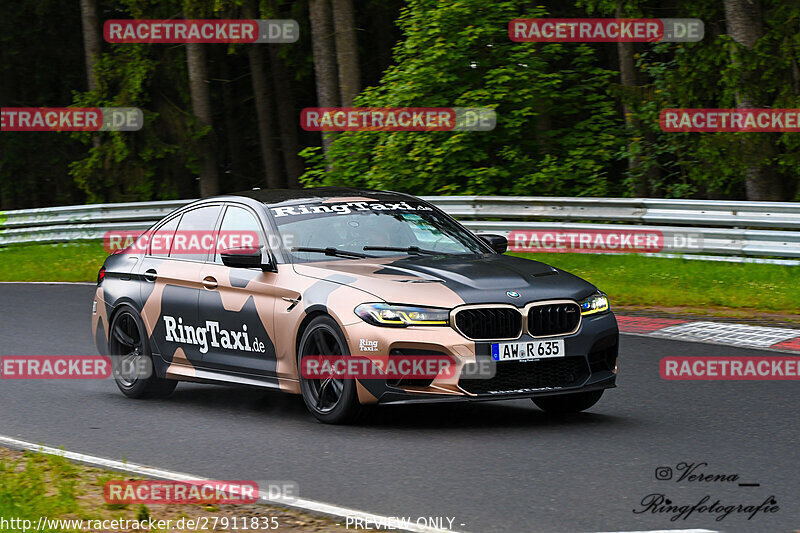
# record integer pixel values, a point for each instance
(596, 303)
(402, 315)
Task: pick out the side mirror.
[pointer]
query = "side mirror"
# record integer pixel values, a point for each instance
(498, 243)
(244, 258)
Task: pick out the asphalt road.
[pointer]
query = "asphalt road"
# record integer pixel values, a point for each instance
(501, 466)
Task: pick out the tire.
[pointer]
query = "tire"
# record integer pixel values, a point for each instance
(131, 359)
(331, 401)
(563, 404)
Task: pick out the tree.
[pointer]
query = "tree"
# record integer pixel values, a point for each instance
(744, 20)
(629, 93)
(264, 113)
(457, 54)
(91, 46)
(237, 158)
(324, 53)
(40, 65)
(628, 77)
(201, 107)
(346, 50)
(91, 39)
(287, 118)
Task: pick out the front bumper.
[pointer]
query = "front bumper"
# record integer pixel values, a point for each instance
(589, 363)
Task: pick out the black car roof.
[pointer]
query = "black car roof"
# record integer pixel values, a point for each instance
(280, 196)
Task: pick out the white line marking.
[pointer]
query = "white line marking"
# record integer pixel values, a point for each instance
(667, 531)
(710, 343)
(299, 503)
(728, 334)
(147, 471)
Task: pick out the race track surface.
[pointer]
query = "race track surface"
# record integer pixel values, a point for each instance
(500, 466)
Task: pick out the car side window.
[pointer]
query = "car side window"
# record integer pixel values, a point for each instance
(161, 239)
(239, 229)
(194, 238)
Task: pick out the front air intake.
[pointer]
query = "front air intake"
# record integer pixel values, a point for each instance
(548, 319)
(489, 322)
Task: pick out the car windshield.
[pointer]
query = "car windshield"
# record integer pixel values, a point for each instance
(377, 229)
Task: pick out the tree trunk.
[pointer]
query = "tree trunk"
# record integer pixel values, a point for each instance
(629, 82)
(91, 48)
(233, 130)
(266, 122)
(287, 118)
(744, 21)
(346, 50)
(91, 39)
(201, 107)
(323, 47)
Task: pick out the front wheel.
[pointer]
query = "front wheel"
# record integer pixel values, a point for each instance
(562, 404)
(131, 361)
(332, 401)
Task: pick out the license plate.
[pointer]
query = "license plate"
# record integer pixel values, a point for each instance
(527, 351)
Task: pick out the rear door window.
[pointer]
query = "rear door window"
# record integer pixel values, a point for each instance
(161, 240)
(195, 236)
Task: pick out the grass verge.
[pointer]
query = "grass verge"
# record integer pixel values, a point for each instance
(52, 262)
(654, 282)
(34, 485)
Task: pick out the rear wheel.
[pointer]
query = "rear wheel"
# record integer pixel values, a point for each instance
(131, 360)
(562, 404)
(332, 401)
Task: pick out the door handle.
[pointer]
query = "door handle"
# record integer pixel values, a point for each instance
(150, 274)
(209, 283)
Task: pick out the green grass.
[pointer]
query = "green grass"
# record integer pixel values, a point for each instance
(37, 485)
(52, 262)
(34, 485)
(632, 280)
(629, 280)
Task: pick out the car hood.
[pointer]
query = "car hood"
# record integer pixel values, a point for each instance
(451, 280)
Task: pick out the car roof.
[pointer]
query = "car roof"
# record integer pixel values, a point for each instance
(289, 196)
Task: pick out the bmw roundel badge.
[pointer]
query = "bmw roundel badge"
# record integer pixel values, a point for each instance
(512, 294)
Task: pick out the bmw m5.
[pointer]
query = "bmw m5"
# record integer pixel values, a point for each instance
(291, 274)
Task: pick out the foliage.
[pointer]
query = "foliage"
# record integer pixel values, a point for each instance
(555, 129)
(34, 72)
(704, 75)
(560, 130)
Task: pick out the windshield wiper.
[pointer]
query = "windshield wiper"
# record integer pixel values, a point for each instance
(409, 249)
(331, 251)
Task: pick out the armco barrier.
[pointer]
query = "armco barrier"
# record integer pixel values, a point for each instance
(726, 229)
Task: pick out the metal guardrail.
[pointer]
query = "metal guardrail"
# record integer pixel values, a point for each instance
(80, 222)
(783, 215)
(725, 229)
